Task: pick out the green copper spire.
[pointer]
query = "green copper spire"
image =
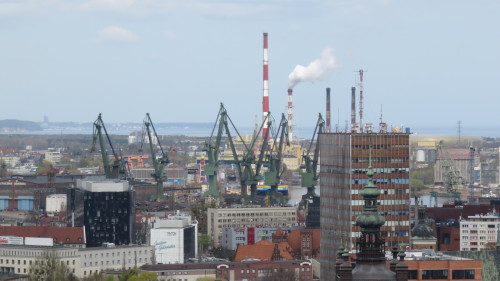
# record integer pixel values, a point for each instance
(370, 220)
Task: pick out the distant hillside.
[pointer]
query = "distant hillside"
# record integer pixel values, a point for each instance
(11, 125)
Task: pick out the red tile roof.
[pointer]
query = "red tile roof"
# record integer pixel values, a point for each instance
(262, 250)
(64, 235)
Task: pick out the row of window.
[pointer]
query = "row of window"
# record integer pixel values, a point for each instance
(480, 225)
(260, 214)
(381, 181)
(457, 274)
(382, 171)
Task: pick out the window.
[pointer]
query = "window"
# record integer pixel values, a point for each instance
(462, 274)
(412, 274)
(434, 274)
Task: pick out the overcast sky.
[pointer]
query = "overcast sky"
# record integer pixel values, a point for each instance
(429, 63)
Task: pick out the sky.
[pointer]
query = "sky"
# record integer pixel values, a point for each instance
(428, 63)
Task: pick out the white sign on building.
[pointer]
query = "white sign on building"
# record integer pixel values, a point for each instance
(169, 245)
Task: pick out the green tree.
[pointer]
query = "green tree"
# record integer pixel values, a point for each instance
(50, 268)
(126, 275)
(144, 276)
(204, 242)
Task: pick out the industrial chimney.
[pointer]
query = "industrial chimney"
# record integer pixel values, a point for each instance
(290, 115)
(265, 98)
(353, 106)
(328, 124)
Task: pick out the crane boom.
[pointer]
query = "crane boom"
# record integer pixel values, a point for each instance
(111, 171)
(309, 178)
(158, 163)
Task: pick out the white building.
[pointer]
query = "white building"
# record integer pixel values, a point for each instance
(248, 216)
(81, 261)
(477, 231)
(53, 155)
(175, 239)
(55, 203)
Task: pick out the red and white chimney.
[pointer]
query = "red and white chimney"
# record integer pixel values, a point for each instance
(290, 115)
(265, 98)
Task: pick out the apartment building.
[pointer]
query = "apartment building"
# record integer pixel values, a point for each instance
(478, 231)
(251, 216)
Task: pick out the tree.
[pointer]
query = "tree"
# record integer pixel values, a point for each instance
(124, 276)
(144, 276)
(50, 268)
(222, 253)
(204, 242)
(134, 275)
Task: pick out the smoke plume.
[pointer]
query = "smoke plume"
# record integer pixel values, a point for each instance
(316, 70)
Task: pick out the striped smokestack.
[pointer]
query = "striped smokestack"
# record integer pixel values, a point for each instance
(353, 106)
(328, 125)
(290, 115)
(265, 98)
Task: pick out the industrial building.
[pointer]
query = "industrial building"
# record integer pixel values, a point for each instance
(248, 216)
(344, 165)
(106, 209)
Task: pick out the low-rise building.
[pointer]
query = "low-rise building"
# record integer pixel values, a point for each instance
(175, 239)
(232, 237)
(112, 257)
(249, 216)
(255, 270)
(427, 265)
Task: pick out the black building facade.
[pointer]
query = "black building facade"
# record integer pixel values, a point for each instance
(105, 208)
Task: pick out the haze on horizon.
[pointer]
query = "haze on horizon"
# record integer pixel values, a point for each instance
(430, 63)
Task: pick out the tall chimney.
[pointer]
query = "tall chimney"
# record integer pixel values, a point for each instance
(328, 124)
(361, 99)
(290, 115)
(265, 98)
(353, 106)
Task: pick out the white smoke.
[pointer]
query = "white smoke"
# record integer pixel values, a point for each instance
(316, 70)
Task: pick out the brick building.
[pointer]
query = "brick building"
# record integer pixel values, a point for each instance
(344, 165)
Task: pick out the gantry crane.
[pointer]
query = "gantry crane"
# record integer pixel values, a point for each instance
(310, 177)
(273, 175)
(212, 148)
(452, 179)
(112, 171)
(159, 162)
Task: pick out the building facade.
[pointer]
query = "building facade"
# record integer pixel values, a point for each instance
(237, 271)
(429, 266)
(81, 261)
(344, 164)
(105, 208)
(251, 216)
(479, 231)
(232, 237)
(175, 239)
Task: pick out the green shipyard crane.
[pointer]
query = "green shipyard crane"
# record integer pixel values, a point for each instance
(249, 176)
(309, 178)
(159, 162)
(212, 148)
(273, 175)
(112, 171)
(452, 179)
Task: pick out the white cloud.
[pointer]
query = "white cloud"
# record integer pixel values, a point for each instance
(116, 33)
(170, 35)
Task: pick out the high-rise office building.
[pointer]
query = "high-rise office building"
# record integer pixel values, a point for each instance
(105, 208)
(344, 164)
